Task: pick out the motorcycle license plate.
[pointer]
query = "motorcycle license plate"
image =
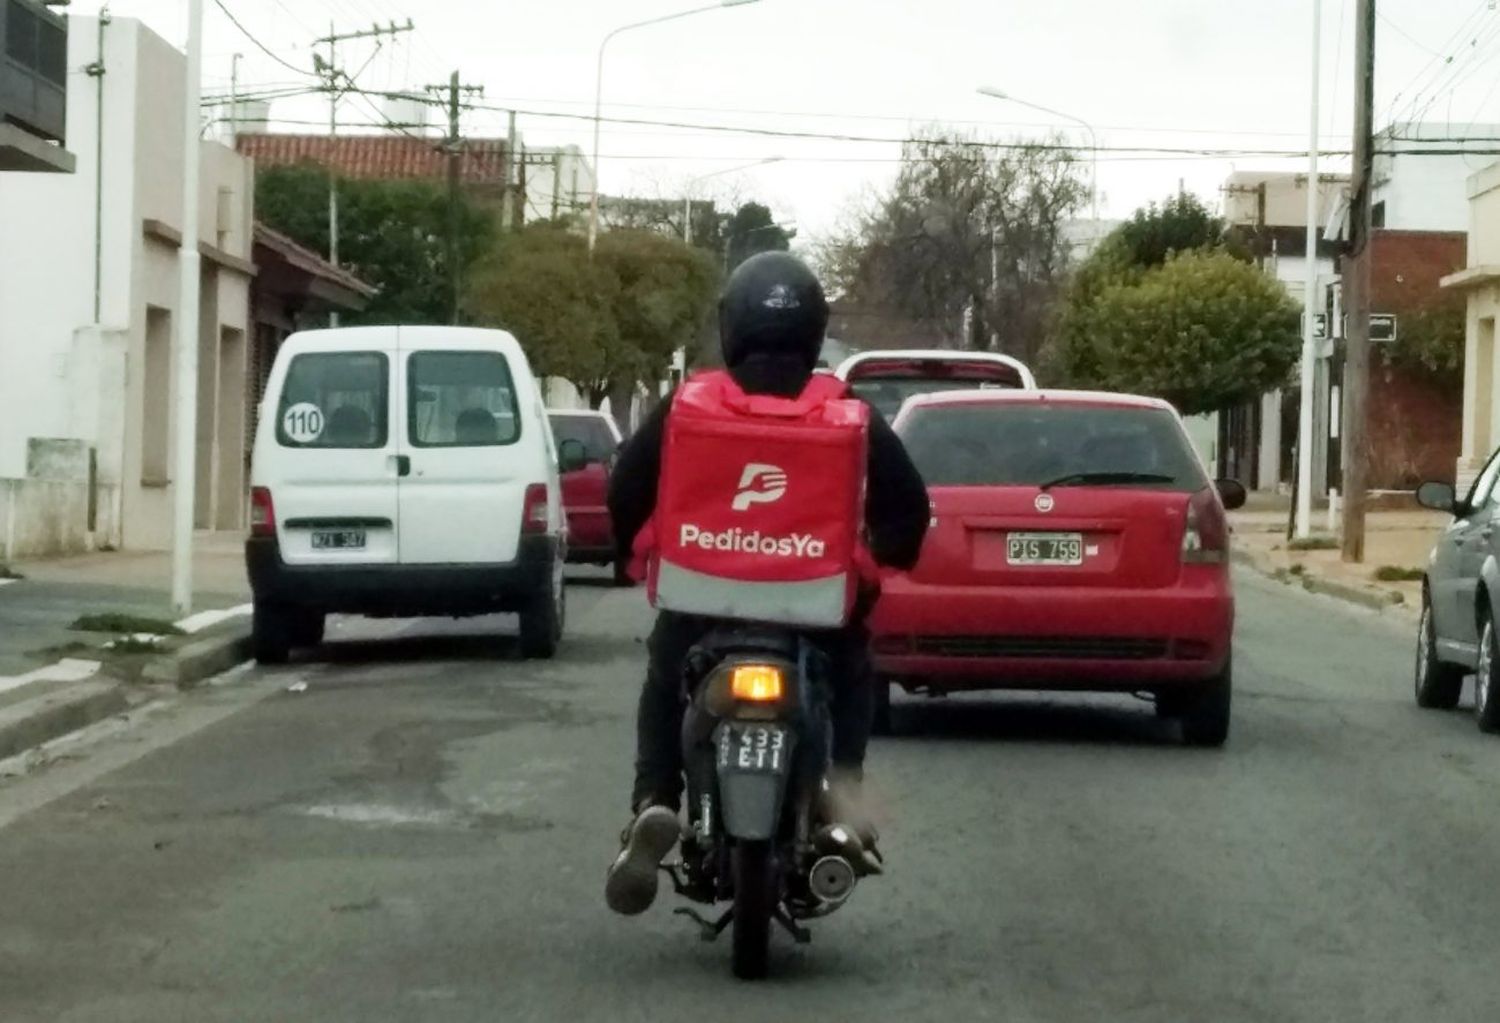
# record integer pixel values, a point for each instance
(752, 749)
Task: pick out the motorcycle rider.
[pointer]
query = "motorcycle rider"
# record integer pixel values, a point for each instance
(772, 318)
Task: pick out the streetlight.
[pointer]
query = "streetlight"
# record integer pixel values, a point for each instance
(994, 93)
(687, 193)
(599, 93)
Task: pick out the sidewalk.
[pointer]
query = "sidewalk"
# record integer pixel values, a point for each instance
(37, 610)
(56, 678)
(1395, 540)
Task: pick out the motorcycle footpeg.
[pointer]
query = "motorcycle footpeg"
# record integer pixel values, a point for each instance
(708, 930)
(801, 935)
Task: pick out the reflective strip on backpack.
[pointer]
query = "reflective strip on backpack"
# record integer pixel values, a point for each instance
(814, 603)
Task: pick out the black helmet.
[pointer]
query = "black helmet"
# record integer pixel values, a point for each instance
(772, 317)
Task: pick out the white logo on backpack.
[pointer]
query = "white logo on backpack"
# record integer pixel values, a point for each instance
(759, 484)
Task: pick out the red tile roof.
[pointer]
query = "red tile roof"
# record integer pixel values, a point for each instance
(382, 157)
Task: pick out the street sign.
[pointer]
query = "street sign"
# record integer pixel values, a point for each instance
(1382, 328)
(1320, 325)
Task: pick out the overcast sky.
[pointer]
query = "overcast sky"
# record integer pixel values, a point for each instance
(1203, 74)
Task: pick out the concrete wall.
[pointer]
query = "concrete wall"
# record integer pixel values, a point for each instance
(1427, 193)
(1286, 197)
(67, 374)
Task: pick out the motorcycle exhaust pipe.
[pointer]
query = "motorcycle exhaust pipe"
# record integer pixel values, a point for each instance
(831, 880)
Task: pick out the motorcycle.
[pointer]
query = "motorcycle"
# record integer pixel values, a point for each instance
(756, 741)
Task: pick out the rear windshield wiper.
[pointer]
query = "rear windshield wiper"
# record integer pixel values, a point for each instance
(1104, 479)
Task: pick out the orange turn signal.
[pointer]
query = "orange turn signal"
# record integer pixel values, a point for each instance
(756, 683)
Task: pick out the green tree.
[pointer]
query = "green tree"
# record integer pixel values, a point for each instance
(1182, 223)
(391, 233)
(1204, 331)
(541, 286)
(662, 290)
(1430, 340)
(750, 230)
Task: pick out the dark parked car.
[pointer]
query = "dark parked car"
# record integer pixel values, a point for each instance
(1457, 631)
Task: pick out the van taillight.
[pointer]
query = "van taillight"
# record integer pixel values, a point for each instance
(534, 516)
(1205, 541)
(262, 512)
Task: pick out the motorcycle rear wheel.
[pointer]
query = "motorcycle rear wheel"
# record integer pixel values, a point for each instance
(754, 906)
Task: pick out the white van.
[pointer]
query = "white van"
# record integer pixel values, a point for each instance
(403, 471)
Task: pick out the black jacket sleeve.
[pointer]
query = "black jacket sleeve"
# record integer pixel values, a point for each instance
(897, 509)
(632, 484)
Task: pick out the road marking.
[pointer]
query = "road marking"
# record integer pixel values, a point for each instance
(205, 619)
(66, 670)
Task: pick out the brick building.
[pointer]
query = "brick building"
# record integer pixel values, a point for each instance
(1415, 420)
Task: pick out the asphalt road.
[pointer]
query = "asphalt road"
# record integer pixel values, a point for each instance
(422, 833)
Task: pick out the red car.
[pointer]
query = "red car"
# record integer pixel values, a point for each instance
(1076, 543)
(591, 540)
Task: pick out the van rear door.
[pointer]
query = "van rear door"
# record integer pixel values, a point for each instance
(472, 452)
(328, 452)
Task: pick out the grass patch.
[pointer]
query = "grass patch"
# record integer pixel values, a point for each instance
(6, 572)
(123, 623)
(1297, 569)
(1398, 574)
(1314, 543)
(141, 643)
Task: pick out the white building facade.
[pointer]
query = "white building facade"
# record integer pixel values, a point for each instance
(87, 385)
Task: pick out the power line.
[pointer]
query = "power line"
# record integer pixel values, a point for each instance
(888, 140)
(260, 45)
(1407, 35)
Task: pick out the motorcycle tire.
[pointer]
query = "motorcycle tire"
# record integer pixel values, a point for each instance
(754, 906)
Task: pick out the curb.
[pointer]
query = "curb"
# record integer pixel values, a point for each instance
(41, 719)
(201, 659)
(1366, 597)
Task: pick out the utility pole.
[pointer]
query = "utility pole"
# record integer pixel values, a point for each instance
(234, 99)
(519, 199)
(1356, 274)
(330, 70)
(556, 179)
(184, 478)
(1303, 484)
(512, 163)
(454, 145)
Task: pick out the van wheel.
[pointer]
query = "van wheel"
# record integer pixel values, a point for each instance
(542, 622)
(1205, 719)
(309, 628)
(271, 631)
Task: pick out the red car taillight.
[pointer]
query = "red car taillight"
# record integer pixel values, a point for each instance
(1205, 541)
(262, 512)
(534, 514)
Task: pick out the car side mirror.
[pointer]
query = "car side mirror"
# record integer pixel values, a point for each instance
(1438, 496)
(572, 455)
(1232, 493)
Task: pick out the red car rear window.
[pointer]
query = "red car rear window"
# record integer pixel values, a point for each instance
(1031, 443)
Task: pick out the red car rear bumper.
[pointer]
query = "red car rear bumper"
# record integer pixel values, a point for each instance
(1055, 637)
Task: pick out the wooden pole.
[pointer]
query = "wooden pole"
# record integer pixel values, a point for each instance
(1356, 274)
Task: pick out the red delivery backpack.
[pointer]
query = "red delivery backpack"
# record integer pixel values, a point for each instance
(760, 504)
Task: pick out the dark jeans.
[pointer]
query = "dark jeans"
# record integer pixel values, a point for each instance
(658, 757)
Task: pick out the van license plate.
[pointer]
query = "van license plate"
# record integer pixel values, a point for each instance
(1025, 549)
(338, 540)
(752, 749)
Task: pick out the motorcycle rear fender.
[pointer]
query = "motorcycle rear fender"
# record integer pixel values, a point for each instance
(751, 804)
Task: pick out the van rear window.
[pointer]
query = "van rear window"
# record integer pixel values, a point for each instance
(461, 399)
(334, 400)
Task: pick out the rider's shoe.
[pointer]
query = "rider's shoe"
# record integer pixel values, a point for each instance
(630, 886)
